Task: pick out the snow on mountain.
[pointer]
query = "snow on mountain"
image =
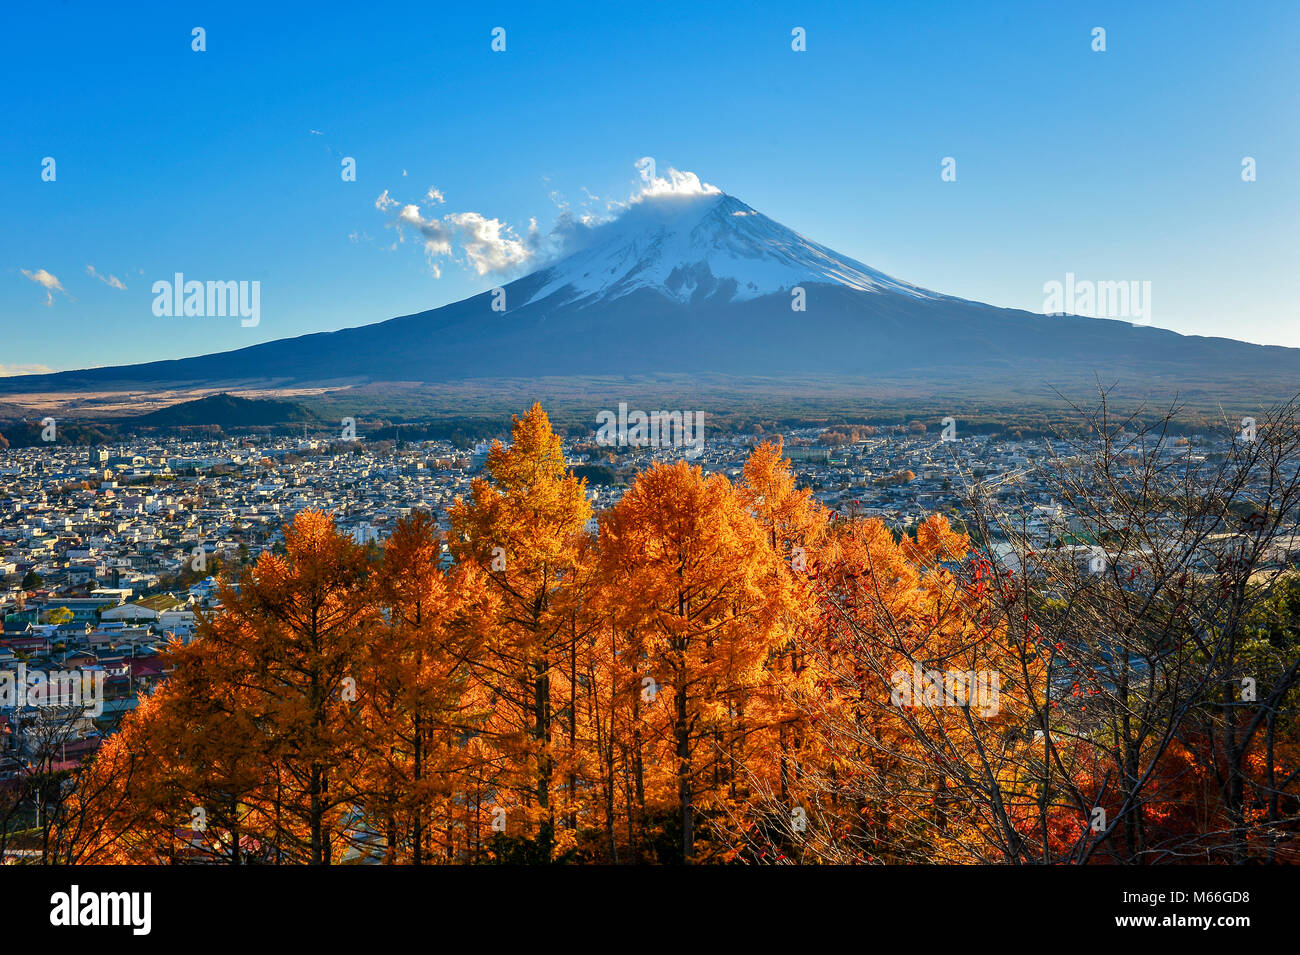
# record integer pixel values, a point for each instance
(701, 246)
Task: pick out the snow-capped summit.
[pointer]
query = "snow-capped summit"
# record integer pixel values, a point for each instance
(701, 246)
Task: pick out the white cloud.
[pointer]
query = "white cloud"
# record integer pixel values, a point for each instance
(47, 281)
(8, 371)
(492, 246)
(485, 245)
(44, 278)
(437, 235)
(112, 281)
(675, 184)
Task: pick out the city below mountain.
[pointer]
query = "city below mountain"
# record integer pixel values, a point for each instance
(704, 284)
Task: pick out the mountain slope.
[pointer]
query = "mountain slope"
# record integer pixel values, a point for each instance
(226, 411)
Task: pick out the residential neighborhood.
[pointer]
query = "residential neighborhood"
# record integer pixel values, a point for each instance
(107, 553)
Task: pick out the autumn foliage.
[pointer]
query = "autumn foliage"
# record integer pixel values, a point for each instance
(708, 671)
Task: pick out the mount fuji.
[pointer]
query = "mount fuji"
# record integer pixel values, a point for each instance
(702, 284)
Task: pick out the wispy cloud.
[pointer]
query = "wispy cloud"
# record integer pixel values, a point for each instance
(110, 280)
(49, 282)
(9, 371)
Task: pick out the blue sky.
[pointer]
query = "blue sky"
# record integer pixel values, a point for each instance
(1122, 165)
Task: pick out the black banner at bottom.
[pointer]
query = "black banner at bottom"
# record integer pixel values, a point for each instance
(139, 906)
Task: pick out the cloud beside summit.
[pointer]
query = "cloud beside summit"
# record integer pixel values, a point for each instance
(488, 246)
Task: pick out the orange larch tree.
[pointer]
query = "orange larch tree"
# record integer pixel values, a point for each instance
(693, 575)
(420, 706)
(524, 526)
